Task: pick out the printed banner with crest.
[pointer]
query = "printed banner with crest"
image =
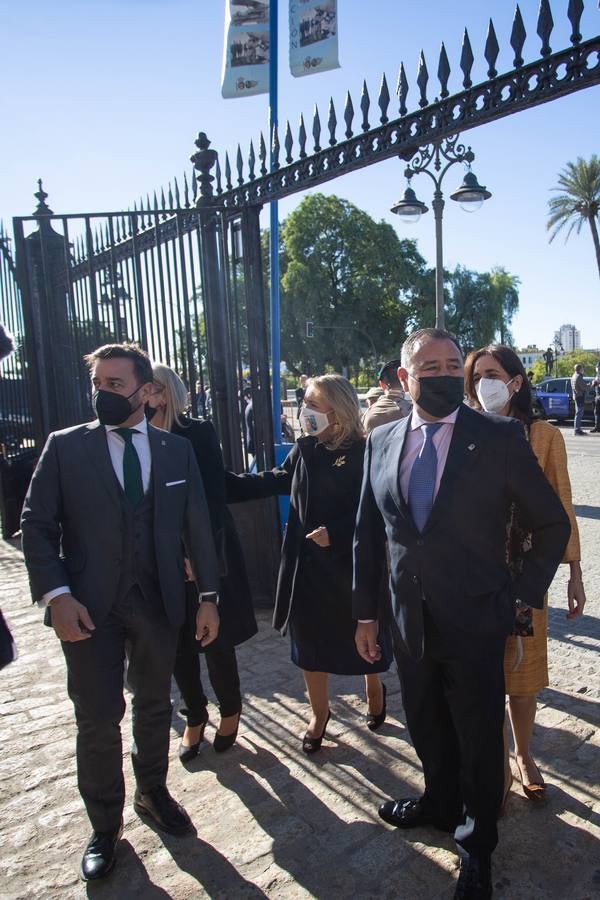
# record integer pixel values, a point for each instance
(246, 48)
(313, 36)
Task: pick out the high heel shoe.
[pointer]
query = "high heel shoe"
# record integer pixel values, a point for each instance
(312, 744)
(374, 721)
(223, 742)
(536, 790)
(185, 752)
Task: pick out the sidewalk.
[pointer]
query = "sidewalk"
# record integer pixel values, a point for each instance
(272, 822)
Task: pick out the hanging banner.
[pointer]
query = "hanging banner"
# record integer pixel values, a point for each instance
(313, 36)
(246, 48)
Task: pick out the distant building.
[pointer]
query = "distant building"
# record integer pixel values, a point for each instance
(528, 355)
(568, 338)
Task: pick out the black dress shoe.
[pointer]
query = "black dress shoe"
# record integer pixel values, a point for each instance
(222, 742)
(408, 813)
(312, 744)
(99, 856)
(163, 810)
(375, 721)
(475, 878)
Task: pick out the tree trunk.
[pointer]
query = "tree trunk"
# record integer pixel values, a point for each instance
(594, 230)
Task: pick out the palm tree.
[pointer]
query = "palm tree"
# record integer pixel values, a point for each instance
(578, 200)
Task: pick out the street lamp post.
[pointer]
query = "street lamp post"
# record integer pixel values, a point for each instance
(470, 195)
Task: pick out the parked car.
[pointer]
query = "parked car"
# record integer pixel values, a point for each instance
(553, 399)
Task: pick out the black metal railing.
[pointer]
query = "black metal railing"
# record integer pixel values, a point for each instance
(547, 78)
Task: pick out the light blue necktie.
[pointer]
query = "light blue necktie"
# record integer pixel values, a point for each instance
(422, 477)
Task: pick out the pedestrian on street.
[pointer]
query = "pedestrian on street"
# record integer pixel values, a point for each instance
(322, 475)
(110, 508)
(578, 387)
(495, 381)
(596, 386)
(437, 484)
(167, 408)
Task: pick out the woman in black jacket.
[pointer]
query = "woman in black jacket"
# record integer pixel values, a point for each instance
(167, 408)
(322, 474)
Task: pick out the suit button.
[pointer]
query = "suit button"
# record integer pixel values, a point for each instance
(420, 542)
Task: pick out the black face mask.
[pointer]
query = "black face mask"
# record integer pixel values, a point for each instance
(112, 409)
(440, 395)
(150, 411)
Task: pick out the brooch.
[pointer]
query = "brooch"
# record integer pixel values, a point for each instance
(340, 461)
(471, 447)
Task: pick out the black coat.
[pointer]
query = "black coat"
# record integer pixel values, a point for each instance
(340, 498)
(235, 602)
(457, 567)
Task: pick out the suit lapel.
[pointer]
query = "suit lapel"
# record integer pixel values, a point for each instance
(96, 447)
(463, 450)
(393, 452)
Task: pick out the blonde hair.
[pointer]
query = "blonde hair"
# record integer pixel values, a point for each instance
(339, 394)
(176, 393)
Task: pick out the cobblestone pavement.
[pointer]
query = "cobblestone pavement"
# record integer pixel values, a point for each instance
(273, 823)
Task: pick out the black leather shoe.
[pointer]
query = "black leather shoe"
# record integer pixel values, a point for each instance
(312, 744)
(186, 752)
(376, 721)
(163, 810)
(475, 878)
(409, 813)
(222, 742)
(99, 856)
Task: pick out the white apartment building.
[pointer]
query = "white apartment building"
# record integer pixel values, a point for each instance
(568, 337)
(528, 355)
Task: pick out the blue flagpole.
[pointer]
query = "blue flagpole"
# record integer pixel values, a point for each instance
(274, 235)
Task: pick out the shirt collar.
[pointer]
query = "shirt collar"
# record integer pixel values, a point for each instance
(416, 420)
(141, 427)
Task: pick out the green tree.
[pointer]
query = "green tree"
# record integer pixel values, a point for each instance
(352, 279)
(480, 306)
(565, 364)
(578, 201)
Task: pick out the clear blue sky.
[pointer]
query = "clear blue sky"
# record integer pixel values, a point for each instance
(103, 99)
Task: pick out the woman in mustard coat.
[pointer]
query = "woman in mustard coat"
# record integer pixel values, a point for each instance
(495, 381)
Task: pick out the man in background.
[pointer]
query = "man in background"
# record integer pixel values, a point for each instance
(392, 405)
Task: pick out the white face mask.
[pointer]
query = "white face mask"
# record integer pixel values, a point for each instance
(313, 422)
(493, 394)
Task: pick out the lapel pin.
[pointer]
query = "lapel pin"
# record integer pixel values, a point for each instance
(471, 447)
(164, 443)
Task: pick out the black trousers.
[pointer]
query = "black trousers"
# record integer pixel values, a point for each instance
(95, 685)
(597, 413)
(454, 704)
(223, 673)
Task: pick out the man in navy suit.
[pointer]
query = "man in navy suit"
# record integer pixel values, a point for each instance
(111, 506)
(437, 487)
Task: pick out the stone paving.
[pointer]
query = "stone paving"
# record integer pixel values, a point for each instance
(273, 823)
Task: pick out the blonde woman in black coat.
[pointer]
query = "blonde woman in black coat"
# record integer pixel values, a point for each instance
(322, 474)
(166, 408)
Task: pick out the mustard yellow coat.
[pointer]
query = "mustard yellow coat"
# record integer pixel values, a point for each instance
(531, 676)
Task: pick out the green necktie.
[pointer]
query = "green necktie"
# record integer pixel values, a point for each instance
(132, 470)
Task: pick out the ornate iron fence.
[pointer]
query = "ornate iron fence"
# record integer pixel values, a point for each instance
(552, 75)
(143, 275)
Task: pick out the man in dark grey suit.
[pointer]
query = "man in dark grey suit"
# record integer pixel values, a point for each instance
(438, 486)
(111, 506)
